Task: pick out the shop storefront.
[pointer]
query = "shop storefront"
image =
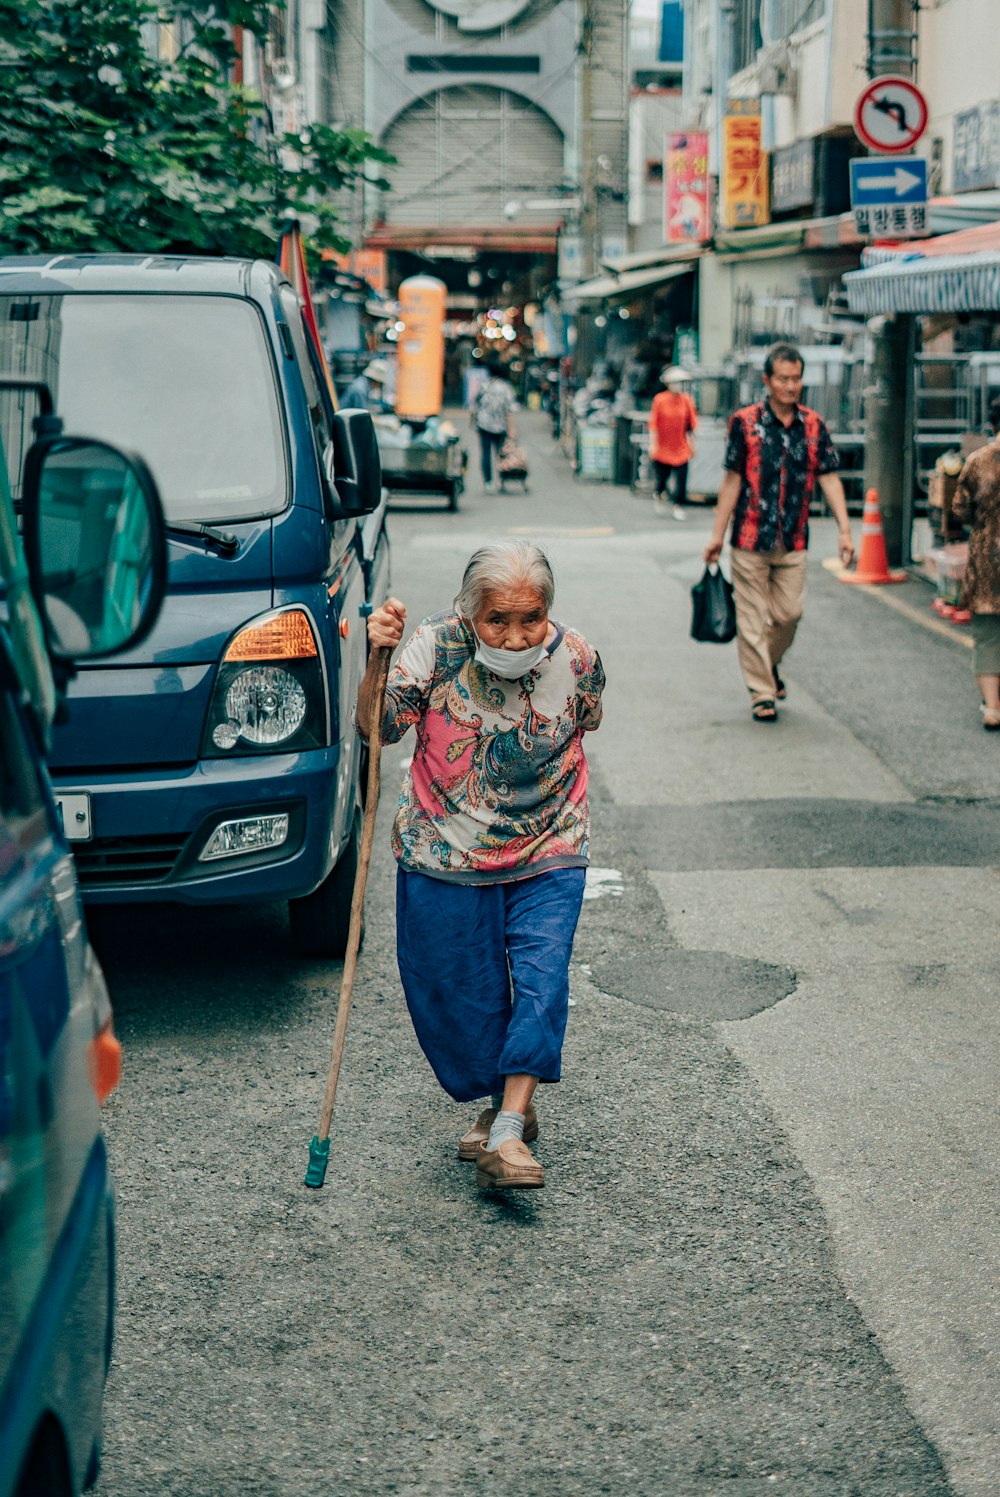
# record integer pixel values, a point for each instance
(944, 298)
(629, 323)
(778, 281)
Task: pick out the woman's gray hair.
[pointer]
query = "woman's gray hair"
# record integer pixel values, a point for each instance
(503, 565)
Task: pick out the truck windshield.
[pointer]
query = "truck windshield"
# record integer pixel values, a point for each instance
(185, 380)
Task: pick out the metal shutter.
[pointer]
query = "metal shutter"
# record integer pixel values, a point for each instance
(464, 152)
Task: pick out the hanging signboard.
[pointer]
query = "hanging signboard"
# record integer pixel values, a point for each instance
(370, 264)
(793, 177)
(975, 148)
(685, 183)
(373, 265)
(744, 167)
(570, 261)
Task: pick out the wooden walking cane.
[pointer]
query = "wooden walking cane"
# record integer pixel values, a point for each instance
(319, 1149)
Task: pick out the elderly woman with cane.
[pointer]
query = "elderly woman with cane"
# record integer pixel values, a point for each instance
(491, 838)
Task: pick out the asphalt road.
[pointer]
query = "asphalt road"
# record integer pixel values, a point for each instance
(766, 1253)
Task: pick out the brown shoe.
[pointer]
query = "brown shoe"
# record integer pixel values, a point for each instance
(510, 1166)
(468, 1144)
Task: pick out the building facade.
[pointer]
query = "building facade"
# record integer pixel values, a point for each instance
(507, 119)
(773, 84)
(959, 66)
(798, 66)
(656, 113)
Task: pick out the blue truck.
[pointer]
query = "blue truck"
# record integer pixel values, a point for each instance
(217, 761)
(85, 582)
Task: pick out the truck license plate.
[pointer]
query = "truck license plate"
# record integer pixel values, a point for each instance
(74, 813)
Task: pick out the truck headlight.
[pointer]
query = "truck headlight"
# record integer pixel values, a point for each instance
(269, 694)
(265, 705)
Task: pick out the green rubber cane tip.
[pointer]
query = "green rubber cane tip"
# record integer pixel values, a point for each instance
(319, 1156)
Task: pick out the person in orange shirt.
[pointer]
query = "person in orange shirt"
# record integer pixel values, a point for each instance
(671, 421)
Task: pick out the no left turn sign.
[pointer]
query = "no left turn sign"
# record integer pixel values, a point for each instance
(891, 114)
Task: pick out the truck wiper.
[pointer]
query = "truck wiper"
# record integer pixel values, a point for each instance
(224, 539)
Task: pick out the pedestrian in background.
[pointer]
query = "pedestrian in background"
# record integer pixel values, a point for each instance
(491, 838)
(474, 379)
(977, 504)
(366, 389)
(672, 419)
(777, 452)
(494, 417)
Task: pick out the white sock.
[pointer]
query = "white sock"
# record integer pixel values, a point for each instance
(507, 1125)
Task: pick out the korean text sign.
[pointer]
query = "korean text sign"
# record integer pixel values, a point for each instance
(744, 167)
(686, 186)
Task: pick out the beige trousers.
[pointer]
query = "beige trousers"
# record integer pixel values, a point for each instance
(769, 588)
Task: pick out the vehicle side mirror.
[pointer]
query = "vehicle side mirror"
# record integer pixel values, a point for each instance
(357, 467)
(95, 545)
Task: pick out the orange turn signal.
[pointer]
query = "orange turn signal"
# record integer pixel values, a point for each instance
(287, 636)
(104, 1058)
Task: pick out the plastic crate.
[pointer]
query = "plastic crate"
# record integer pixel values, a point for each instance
(949, 570)
(445, 461)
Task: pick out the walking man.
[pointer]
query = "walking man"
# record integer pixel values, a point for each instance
(778, 450)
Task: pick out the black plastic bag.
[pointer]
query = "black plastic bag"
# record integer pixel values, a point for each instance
(713, 612)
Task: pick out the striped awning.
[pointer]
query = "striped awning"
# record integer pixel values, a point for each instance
(887, 254)
(931, 283)
(607, 287)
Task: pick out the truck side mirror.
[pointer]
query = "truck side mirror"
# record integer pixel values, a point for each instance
(95, 546)
(357, 468)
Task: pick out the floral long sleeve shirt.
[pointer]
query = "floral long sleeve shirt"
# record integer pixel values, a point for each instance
(497, 787)
(977, 504)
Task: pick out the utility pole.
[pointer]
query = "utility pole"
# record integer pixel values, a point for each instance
(889, 430)
(588, 193)
(892, 38)
(720, 83)
(889, 416)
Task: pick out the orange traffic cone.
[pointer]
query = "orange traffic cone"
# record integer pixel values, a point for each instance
(873, 563)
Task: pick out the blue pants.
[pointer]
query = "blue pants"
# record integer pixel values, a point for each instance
(485, 970)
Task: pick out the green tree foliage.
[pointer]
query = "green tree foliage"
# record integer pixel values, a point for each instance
(106, 146)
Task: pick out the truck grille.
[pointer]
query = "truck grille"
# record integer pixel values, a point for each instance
(127, 860)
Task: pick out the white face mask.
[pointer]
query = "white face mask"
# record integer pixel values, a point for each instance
(510, 664)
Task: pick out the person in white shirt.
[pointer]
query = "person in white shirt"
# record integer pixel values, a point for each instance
(494, 417)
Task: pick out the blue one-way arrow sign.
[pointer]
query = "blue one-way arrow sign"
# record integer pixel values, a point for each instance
(889, 196)
(888, 181)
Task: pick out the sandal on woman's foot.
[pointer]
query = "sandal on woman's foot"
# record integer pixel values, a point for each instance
(764, 712)
(991, 718)
(779, 685)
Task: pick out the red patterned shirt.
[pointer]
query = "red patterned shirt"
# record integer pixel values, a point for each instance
(779, 466)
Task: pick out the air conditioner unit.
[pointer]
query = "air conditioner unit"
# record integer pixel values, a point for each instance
(776, 73)
(283, 76)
